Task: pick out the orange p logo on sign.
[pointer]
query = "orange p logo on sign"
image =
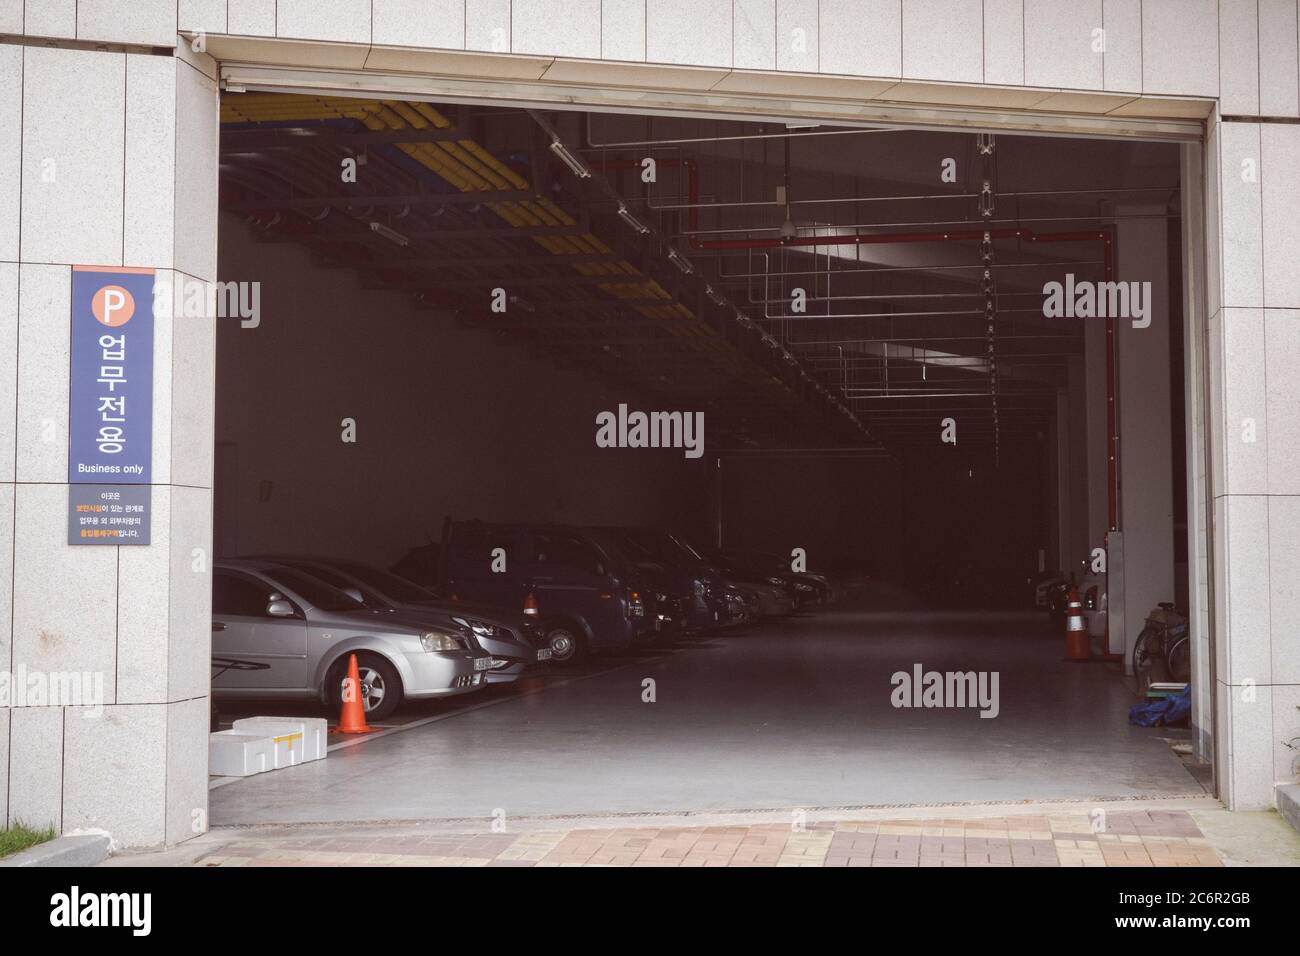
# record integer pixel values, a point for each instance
(113, 306)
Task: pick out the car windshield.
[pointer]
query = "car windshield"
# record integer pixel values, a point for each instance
(369, 596)
(312, 590)
(618, 560)
(393, 586)
(637, 550)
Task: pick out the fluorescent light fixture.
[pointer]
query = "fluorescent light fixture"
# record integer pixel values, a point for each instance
(392, 235)
(681, 262)
(636, 224)
(714, 296)
(573, 162)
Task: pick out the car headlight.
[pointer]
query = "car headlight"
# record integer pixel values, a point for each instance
(433, 641)
(774, 580)
(800, 586)
(478, 628)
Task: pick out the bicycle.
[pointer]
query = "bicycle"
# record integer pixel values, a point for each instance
(1162, 651)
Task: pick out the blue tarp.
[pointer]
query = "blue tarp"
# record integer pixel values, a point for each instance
(1166, 711)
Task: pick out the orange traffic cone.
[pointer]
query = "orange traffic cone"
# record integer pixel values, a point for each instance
(1076, 629)
(352, 718)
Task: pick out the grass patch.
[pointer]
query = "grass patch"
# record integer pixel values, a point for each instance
(20, 836)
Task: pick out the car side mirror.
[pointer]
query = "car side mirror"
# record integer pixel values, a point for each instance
(279, 608)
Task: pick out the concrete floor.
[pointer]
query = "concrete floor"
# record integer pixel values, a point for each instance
(790, 714)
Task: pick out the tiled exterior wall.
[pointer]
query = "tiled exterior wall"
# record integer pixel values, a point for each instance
(109, 116)
(109, 158)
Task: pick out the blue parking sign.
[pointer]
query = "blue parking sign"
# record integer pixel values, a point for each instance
(110, 410)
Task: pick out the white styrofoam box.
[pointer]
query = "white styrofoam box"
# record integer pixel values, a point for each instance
(235, 754)
(304, 738)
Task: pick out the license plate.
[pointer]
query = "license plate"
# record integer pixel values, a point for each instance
(484, 663)
(544, 654)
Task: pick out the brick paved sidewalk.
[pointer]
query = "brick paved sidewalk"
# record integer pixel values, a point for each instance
(1141, 838)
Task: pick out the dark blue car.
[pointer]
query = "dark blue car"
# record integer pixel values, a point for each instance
(583, 590)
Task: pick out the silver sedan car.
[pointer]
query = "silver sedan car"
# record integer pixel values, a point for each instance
(304, 630)
(506, 637)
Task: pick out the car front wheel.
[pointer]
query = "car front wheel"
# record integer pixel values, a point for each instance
(380, 688)
(564, 643)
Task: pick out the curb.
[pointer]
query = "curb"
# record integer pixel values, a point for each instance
(1288, 803)
(86, 849)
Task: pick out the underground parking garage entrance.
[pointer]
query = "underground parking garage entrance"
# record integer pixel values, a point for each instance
(831, 419)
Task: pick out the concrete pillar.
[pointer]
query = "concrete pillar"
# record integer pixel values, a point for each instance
(110, 160)
(1072, 490)
(1076, 413)
(1097, 449)
(1059, 493)
(1253, 295)
(1146, 496)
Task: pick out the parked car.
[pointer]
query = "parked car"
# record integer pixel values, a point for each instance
(803, 589)
(305, 630)
(678, 573)
(1043, 584)
(586, 593)
(811, 587)
(511, 639)
(767, 600)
